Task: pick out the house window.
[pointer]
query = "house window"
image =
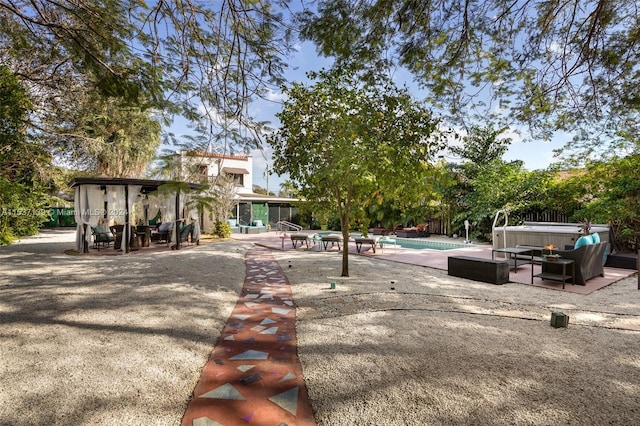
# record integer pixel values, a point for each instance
(203, 170)
(238, 179)
(236, 173)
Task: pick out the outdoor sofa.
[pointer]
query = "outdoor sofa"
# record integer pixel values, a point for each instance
(588, 262)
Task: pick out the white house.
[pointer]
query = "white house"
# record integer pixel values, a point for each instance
(251, 209)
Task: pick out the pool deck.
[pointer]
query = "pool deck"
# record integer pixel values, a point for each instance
(437, 259)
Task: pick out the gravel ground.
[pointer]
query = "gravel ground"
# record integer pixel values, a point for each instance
(109, 340)
(406, 345)
(121, 340)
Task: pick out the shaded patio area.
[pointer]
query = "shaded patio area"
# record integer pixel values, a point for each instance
(123, 204)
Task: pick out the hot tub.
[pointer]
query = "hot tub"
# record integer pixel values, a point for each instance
(540, 234)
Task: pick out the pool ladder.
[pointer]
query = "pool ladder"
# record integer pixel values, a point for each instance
(283, 225)
(504, 227)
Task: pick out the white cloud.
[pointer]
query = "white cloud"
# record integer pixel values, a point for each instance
(275, 96)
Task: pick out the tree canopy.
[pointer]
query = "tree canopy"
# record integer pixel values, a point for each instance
(347, 145)
(22, 163)
(110, 139)
(570, 66)
(203, 61)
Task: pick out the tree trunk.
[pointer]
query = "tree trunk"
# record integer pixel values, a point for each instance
(345, 252)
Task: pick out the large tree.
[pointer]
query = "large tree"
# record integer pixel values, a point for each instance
(346, 145)
(555, 65)
(23, 164)
(202, 60)
(108, 138)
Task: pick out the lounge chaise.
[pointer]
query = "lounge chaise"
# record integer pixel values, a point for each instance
(299, 238)
(331, 238)
(366, 240)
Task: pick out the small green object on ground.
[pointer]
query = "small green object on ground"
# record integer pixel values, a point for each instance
(559, 319)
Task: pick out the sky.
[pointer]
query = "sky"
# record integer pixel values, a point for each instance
(534, 154)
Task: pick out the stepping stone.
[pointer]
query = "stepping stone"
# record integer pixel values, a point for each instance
(289, 376)
(245, 368)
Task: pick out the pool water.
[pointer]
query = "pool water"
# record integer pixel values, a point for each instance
(420, 244)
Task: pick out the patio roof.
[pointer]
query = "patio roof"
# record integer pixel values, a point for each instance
(148, 185)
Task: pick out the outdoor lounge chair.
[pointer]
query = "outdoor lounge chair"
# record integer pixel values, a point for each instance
(366, 240)
(101, 237)
(331, 238)
(163, 234)
(299, 238)
(588, 262)
(185, 233)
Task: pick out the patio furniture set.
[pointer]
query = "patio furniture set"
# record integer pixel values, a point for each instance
(574, 265)
(324, 240)
(141, 235)
(418, 231)
(336, 239)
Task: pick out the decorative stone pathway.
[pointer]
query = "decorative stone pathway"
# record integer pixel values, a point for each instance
(253, 375)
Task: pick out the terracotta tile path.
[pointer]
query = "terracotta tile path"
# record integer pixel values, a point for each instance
(253, 375)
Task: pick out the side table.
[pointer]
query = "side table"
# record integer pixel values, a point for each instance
(556, 277)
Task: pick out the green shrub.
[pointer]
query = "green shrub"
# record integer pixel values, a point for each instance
(22, 211)
(222, 229)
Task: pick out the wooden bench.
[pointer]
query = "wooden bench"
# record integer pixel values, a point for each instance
(363, 240)
(479, 269)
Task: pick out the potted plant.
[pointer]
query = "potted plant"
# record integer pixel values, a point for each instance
(585, 226)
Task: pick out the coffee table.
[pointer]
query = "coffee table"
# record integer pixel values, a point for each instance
(513, 253)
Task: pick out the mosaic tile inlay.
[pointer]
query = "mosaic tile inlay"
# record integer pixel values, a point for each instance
(253, 375)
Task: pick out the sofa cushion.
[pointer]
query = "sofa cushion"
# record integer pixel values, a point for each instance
(165, 226)
(583, 241)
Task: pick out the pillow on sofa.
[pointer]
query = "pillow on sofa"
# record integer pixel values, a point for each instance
(596, 238)
(583, 241)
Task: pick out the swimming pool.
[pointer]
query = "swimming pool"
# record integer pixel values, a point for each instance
(420, 244)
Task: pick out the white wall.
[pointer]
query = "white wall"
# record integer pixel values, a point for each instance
(217, 162)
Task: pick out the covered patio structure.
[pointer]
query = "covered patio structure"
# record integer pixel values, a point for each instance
(127, 202)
